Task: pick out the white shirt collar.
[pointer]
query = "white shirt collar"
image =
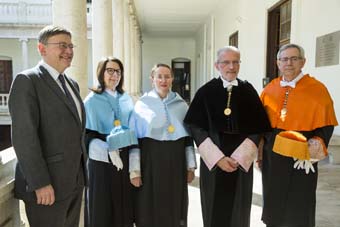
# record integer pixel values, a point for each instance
(52, 71)
(229, 83)
(292, 83)
(112, 93)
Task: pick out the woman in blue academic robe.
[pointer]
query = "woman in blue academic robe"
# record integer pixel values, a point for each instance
(165, 152)
(108, 109)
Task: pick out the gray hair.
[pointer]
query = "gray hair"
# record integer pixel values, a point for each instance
(227, 49)
(291, 45)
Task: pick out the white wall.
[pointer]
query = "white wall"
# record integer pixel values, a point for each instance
(253, 41)
(249, 19)
(163, 50)
(316, 18)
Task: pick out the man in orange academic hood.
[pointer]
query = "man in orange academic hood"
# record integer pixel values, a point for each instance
(294, 102)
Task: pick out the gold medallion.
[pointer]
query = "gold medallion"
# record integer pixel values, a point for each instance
(116, 123)
(283, 114)
(171, 128)
(227, 111)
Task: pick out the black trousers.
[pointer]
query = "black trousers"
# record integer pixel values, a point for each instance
(65, 213)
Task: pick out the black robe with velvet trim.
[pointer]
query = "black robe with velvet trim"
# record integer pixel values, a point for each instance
(205, 118)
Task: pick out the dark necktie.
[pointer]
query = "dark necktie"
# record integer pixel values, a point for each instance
(67, 92)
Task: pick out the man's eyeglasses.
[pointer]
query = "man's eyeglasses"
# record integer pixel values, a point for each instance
(292, 59)
(111, 71)
(62, 45)
(225, 63)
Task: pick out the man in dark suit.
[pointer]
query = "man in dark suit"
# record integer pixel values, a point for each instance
(48, 126)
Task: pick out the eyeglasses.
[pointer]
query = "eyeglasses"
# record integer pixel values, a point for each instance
(162, 77)
(292, 59)
(63, 45)
(111, 71)
(225, 63)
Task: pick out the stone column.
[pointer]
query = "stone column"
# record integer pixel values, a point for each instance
(72, 15)
(139, 61)
(132, 53)
(127, 46)
(24, 53)
(118, 29)
(101, 33)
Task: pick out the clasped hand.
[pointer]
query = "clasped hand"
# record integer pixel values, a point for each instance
(227, 164)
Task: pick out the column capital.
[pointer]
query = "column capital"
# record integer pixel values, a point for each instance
(23, 39)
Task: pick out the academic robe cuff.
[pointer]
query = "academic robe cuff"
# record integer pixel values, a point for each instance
(210, 153)
(134, 174)
(245, 154)
(134, 159)
(190, 157)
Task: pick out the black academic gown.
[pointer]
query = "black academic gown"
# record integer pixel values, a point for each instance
(206, 118)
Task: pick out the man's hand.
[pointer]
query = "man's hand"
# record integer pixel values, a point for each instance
(136, 181)
(227, 164)
(45, 195)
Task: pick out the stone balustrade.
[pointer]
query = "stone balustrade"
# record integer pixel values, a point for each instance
(37, 12)
(5, 118)
(28, 12)
(4, 102)
(9, 206)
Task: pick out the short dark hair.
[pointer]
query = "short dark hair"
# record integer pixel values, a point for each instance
(155, 67)
(101, 71)
(51, 30)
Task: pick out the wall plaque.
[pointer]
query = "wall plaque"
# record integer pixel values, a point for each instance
(327, 49)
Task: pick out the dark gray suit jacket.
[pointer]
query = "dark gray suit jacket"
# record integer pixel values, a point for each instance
(47, 135)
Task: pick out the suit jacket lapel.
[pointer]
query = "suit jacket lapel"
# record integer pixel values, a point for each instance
(45, 75)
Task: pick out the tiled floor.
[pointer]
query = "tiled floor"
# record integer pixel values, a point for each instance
(328, 200)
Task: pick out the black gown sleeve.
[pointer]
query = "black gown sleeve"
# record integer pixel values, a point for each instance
(90, 135)
(196, 119)
(325, 133)
(256, 138)
(198, 134)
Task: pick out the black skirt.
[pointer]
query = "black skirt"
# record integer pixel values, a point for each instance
(162, 200)
(109, 195)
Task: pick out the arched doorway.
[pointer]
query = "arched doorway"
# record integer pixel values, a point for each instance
(181, 84)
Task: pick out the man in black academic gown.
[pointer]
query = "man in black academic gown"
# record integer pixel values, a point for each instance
(223, 116)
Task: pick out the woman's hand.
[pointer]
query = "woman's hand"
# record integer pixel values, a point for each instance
(136, 181)
(190, 176)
